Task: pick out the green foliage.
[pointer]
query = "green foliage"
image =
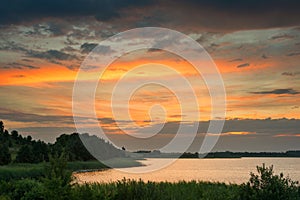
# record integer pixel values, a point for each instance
(27, 150)
(21, 171)
(25, 155)
(76, 151)
(57, 183)
(17, 171)
(131, 189)
(265, 185)
(72, 146)
(85, 165)
(5, 156)
(21, 189)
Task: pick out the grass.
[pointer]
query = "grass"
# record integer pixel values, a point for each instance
(34, 171)
(21, 171)
(264, 185)
(131, 189)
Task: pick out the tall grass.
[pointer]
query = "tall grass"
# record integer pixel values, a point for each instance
(20, 171)
(36, 171)
(131, 189)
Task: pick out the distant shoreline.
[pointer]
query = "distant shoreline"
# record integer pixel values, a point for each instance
(225, 154)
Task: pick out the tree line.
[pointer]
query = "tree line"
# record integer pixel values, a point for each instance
(15, 148)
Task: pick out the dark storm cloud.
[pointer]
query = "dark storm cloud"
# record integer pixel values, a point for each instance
(16, 11)
(216, 15)
(243, 65)
(278, 91)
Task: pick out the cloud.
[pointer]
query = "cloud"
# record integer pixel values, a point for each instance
(293, 54)
(48, 29)
(51, 55)
(282, 37)
(87, 47)
(235, 14)
(287, 135)
(290, 73)
(18, 76)
(15, 65)
(236, 60)
(100, 49)
(278, 91)
(18, 116)
(16, 11)
(234, 127)
(243, 65)
(154, 50)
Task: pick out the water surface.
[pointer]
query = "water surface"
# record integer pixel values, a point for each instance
(221, 170)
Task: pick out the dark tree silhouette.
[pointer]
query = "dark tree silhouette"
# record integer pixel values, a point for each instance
(5, 156)
(25, 155)
(1, 127)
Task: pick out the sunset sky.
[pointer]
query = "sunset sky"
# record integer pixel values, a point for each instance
(255, 45)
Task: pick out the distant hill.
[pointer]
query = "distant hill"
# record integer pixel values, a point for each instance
(19, 149)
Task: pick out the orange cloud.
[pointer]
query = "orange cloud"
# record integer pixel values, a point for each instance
(47, 72)
(287, 135)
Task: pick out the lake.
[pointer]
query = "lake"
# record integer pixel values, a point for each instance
(221, 170)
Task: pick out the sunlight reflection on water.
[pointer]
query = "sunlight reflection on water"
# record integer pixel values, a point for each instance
(219, 170)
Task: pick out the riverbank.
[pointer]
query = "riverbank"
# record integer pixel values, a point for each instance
(58, 183)
(35, 171)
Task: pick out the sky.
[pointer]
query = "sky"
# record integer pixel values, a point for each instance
(254, 44)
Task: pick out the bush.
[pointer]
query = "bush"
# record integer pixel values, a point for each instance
(22, 189)
(57, 183)
(266, 185)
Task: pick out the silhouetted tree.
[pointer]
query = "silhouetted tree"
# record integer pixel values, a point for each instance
(25, 155)
(72, 146)
(4, 135)
(40, 151)
(1, 127)
(5, 156)
(28, 138)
